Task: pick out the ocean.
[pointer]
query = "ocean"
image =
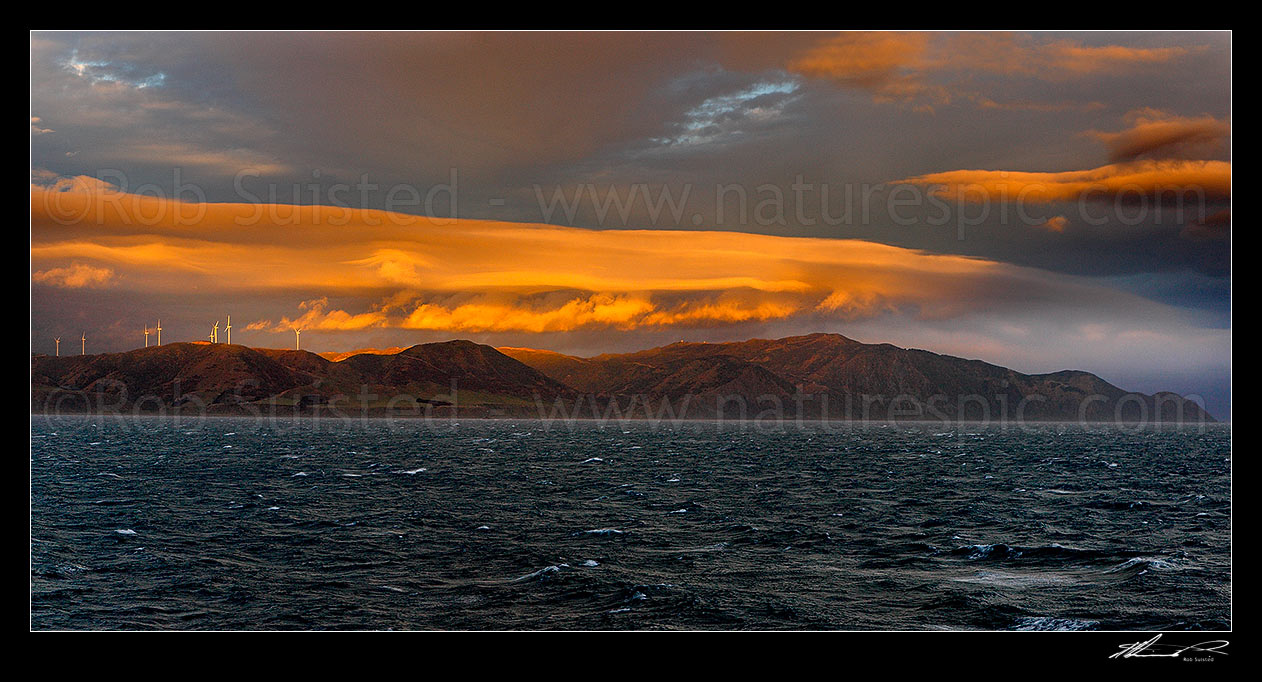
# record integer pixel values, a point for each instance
(225, 523)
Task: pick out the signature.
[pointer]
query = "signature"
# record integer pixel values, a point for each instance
(1151, 649)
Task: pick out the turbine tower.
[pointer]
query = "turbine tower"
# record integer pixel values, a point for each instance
(214, 334)
(229, 330)
(297, 338)
(57, 340)
(83, 344)
(159, 331)
(146, 336)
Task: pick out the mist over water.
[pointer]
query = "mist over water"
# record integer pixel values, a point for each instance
(514, 524)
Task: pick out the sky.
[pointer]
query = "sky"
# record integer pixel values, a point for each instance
(1041, 201)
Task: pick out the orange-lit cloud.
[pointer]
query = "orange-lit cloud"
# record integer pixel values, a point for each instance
(898, 66)
(1155, 134)
(1150, 163)
(887, 64)
(410, 272)
(76, 276)
(621, 311)
(1007, 53)
(318, 317)
(1055, 224)
(1158, 180)
(601, 310)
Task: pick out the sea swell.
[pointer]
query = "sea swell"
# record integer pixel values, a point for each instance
(509, 525)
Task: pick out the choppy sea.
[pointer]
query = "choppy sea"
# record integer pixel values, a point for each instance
(221, 523)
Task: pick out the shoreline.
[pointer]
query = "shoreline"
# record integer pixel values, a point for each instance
(309, 417)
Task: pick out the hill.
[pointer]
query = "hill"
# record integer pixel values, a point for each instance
(234, 379)
(832, 376)
(814, 376)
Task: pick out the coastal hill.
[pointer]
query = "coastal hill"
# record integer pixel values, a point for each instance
(814, 376)
(235, 379)
(844, 378)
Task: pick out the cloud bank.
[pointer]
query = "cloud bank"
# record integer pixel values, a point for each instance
(351, 270)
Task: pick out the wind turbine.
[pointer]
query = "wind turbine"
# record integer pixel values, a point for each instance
(159, 331)
(83, 344)
(214, 334)
(57, 340)
(146, 336)
(297, 338)
(229, 330)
